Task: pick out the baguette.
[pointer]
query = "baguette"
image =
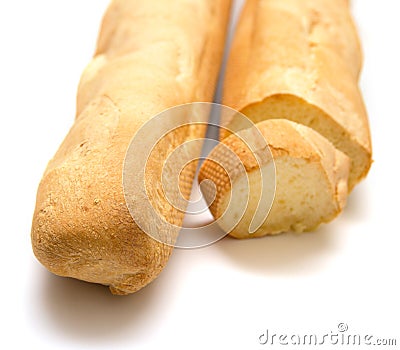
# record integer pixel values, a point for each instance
(301, 60)
(151, 55)
(311, 180)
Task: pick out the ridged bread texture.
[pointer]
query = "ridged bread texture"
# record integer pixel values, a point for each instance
(301, 60)
(311, 180)
(151, 55)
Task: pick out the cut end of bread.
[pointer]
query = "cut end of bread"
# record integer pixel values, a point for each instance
(304, 199)
(354, 143)
(311, 183)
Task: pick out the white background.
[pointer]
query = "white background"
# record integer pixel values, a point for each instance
(219, 297)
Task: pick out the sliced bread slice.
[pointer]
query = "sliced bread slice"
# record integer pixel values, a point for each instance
(310, 185)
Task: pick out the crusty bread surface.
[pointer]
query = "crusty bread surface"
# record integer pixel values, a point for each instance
(151, 55)
(301, 60)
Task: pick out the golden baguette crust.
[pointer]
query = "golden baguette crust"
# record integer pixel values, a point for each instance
(298, 151)
(151, 55)
(300, 60)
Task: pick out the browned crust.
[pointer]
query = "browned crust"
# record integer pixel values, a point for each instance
(81, 226)
(307, 49)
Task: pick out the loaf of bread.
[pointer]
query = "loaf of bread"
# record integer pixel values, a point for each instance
(300, 60)
(311, 180)
(151, 55)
